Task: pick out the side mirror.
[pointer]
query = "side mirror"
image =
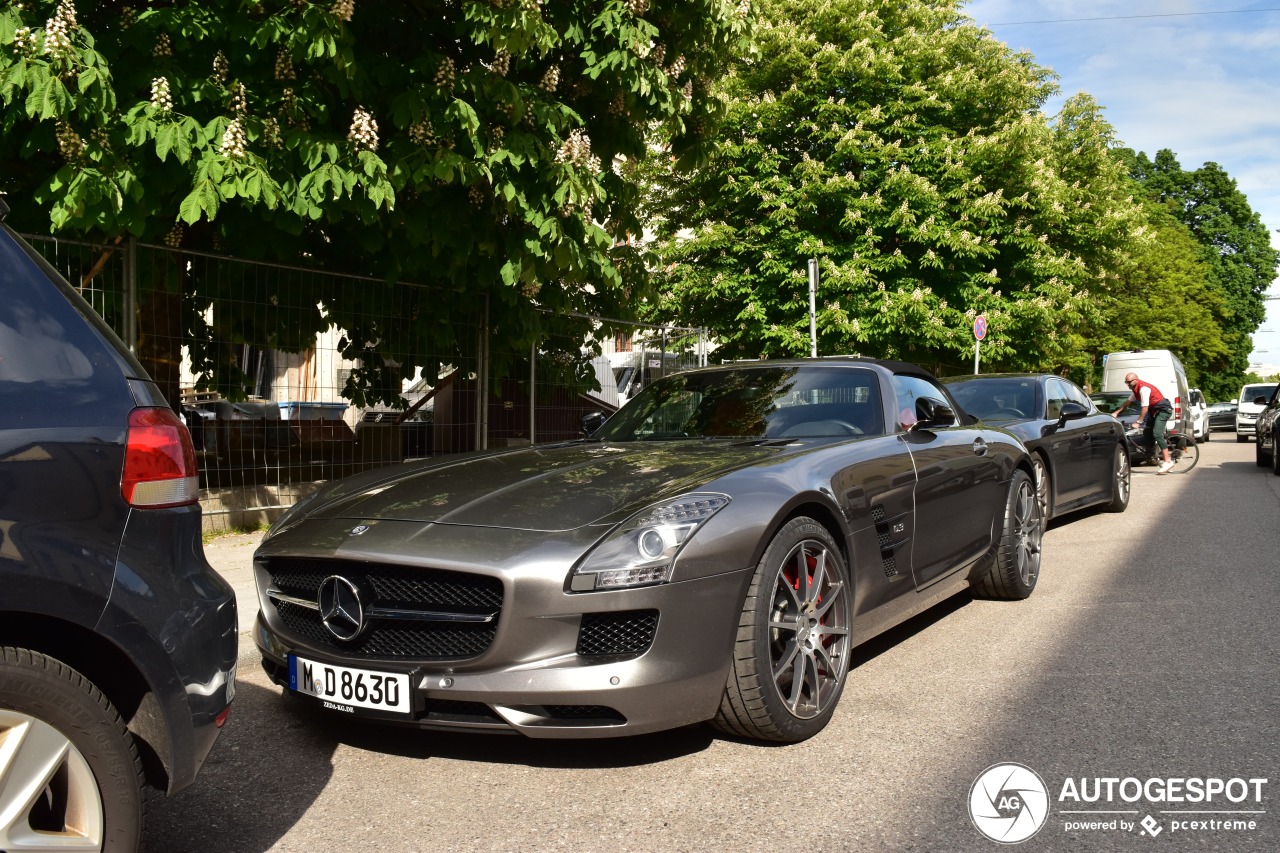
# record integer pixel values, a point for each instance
(1071, 412)
(592, 422)
(933, 413)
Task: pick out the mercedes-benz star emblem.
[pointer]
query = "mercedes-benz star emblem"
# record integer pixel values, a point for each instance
(340, 607)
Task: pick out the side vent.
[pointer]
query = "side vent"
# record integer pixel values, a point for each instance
(884, 534)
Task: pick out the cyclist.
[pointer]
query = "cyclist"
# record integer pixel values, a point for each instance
(1154, 415)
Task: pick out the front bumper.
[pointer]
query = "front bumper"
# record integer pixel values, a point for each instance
(1246, 425)
(533, 678)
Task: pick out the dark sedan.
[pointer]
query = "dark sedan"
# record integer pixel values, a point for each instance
(713, 552)
(1078, 451)
(1223, 415)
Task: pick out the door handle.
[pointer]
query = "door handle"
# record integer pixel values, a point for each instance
(979, 447)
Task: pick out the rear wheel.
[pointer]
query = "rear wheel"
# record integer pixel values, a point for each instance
(1185, 454)
(1122, 480)
(1013, 568)
(72, 779)
(791, 656)
(1259, 455)
(1275, 453)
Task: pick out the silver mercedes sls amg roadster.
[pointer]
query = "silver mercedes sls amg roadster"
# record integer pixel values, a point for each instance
(713, 552)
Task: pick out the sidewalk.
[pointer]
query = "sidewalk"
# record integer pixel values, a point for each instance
(231, 554)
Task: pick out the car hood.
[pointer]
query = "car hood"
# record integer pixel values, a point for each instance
(547, 488)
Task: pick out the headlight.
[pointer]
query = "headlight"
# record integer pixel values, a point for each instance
(641, 550)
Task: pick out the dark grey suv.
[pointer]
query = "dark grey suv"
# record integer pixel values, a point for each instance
(117, 640)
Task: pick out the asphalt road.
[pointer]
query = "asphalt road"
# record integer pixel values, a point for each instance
(1149, 650)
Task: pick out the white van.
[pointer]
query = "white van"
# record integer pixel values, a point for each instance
(1159, 367)
(1253, 399)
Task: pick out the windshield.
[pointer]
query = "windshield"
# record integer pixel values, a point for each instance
(994, 398)
(1108, 401)
(1251, 391)
(753, 402)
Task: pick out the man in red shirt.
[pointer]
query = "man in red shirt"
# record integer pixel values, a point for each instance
(1155, 414)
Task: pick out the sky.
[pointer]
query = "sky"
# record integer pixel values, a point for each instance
(1199, 77)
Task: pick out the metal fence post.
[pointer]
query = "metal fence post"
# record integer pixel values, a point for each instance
(131, 295)
(533, 392)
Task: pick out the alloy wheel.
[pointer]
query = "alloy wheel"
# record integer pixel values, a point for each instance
(809, 616)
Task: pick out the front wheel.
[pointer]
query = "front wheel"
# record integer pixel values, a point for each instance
(791, 656)
(1122, 480)
(1275, 454)
(71, 777)
(1013, 567)
(1184, 454)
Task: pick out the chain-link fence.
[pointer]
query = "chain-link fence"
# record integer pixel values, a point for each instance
(264, 368)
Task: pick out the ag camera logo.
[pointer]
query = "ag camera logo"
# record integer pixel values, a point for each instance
(1008, 803)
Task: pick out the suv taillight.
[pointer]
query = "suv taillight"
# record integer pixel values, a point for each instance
(159, 461)
(1177, 409)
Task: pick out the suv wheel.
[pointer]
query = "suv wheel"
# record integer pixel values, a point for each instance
(73, 779)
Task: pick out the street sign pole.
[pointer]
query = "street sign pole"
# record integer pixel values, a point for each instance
(979, 332)
(813, 307)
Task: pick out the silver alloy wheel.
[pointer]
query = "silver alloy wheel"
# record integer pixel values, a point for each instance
(49, 798)
(809, 630)
(1028, 528)
(1124, 475)
(1041, 474)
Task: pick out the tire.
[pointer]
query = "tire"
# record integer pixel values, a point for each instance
(1186, 457)
(52, 717)
(1044, 486)
(1275, 453)
(794, 641)
(1241, 439)
(1208, 433)
(1122, 485)
(1012, 569)
(1259, 457)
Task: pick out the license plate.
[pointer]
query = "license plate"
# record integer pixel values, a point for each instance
(344, 688)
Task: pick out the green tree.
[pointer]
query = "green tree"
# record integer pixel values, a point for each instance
(903, 147)
(1161, 298)
(1235, 243)
(470, 145)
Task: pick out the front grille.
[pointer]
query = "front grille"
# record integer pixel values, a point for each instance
(397, 587)
(625, 634)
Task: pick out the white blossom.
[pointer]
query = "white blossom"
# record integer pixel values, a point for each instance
(234, 143)
(364, 130)
(343, 9)
(57, 30)
(161, 98)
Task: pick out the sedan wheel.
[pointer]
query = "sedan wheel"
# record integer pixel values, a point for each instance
(1122, 485)
(71, 775)
(1012, 569)
(791, 657)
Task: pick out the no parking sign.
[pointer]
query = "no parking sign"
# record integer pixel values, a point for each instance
(979, 332)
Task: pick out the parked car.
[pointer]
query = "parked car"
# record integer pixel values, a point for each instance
(1267, 430)
(1078, 451)
(1199, 415)
(1252, 400)
(117, 640)
(1223, 415)
(713, 552)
